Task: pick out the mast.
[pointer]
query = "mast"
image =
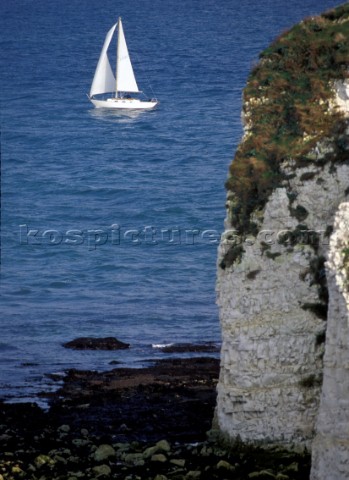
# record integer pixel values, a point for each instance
(124, 76)
(117, 58)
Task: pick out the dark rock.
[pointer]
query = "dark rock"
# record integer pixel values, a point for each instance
(190, 348)
(223, 465)
(43, 460)
(64, 428)
(158, 457)
(179, 462)
(102, 470)
(262, 475)
(174, 399)
(163, 446)
(135, 459)
(193, 474)
(103, 452)
(88, 343)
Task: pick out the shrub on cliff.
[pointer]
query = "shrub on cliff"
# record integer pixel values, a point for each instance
(288, 108)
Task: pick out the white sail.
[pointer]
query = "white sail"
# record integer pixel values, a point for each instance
(104, 80)
(125, 78)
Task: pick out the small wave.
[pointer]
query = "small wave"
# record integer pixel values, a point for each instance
(60, 284)
(161, 345)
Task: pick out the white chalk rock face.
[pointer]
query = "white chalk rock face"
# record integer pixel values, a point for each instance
(330, 454)
(273, 302)
(342, 96)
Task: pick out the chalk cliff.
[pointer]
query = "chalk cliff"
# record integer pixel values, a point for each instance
(330, 450)
(283, 258)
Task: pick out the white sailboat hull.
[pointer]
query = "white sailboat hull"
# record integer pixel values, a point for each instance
(124, 103)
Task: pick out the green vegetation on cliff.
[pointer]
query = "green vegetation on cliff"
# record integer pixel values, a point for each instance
(288, 108)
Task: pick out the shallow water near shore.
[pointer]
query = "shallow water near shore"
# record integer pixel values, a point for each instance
(111, 222)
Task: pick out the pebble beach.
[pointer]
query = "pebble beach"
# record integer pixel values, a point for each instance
(154, 423)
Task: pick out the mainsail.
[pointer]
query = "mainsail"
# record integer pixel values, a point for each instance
(125, 78)
(104, 80)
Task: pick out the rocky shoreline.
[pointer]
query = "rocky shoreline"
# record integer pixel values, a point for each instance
(153, 423)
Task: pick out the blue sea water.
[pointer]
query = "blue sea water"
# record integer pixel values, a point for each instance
(110, 222)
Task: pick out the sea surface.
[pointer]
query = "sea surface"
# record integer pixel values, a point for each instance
(110, 222)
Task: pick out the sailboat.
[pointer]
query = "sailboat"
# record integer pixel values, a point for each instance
(119, 87)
